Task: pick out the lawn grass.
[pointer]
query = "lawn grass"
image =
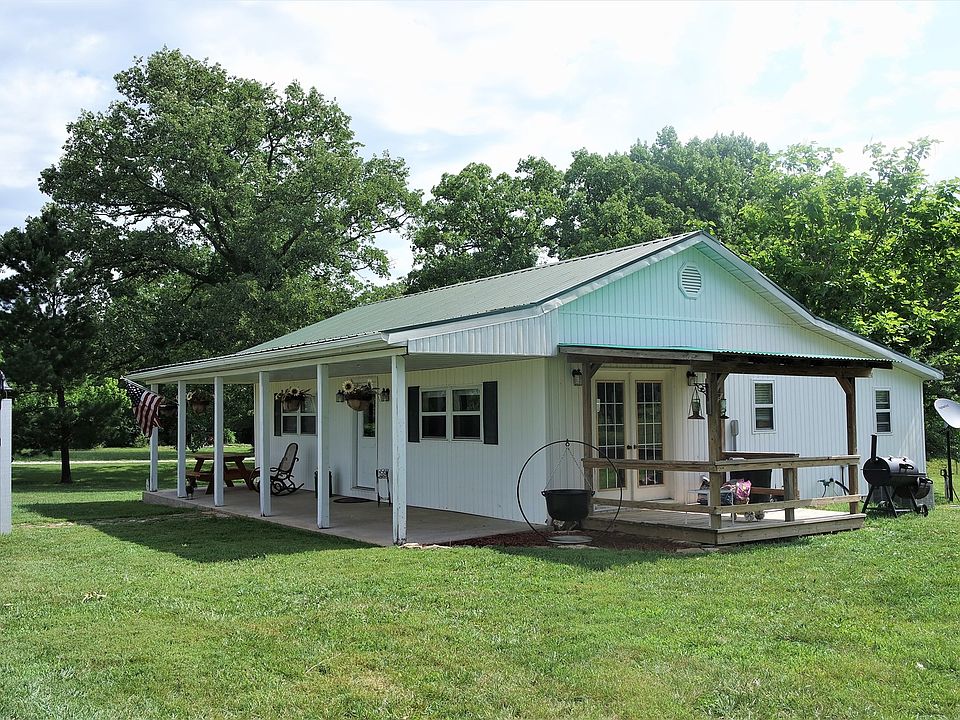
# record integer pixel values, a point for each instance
(166, 452)
(198, 616)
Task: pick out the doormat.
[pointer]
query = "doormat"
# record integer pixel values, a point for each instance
(352, 500)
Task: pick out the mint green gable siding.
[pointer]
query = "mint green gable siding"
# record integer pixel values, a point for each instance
(648, 309)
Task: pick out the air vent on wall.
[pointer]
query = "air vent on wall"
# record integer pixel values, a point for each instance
(691, 281)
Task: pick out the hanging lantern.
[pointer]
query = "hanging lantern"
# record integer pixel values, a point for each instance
(695, 406)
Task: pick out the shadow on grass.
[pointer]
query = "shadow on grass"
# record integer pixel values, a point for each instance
(192, 535)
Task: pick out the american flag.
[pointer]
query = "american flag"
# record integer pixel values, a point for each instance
(145, 405)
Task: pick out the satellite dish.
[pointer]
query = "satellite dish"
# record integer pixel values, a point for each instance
(949, 411)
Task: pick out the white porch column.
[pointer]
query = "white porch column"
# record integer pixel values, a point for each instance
(323, 450)
(181, 438)
(6, 463)
(218, 441)
(398, 396)
(153, 482)
(264, 413)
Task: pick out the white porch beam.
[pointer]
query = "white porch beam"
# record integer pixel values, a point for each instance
(323, 448)
(153, 481)
(398, 396)
(218, 441)
(264, 414)
(6, 463)
(181, 438)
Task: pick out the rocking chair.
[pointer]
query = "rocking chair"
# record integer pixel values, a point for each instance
(281, 476)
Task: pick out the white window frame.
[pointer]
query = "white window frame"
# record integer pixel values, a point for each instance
(299, 414)
(449, 413)
(888, 410)
(445, 414)
(772, 405)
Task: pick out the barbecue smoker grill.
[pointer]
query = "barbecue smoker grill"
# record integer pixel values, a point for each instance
(895, 478)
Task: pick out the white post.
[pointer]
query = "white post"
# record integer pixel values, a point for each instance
(323, 450)
(218, 441)
(264, 413)
(181, 438)
(6, 466)
(398, 396)
(153, 482)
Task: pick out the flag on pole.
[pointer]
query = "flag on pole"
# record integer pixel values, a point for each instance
(145, 405)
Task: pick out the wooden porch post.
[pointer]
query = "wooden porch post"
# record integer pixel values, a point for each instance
(323, 451)
(264, 435)
(589, 371)
(715, 383)
(218, 441)
(153, 482)
(849, 385)
(398, 397)
(181, 438)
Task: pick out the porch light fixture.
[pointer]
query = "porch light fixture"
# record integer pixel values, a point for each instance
(723, 409)
(577, 376)
(340, 396)
(385, 395)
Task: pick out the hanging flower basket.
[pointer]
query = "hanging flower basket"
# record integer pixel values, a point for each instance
(292, 399)
(199, 401)
(357, 396)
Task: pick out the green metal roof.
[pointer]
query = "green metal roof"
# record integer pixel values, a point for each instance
(500, 293)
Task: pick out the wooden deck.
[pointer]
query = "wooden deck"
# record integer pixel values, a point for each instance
(695, 526)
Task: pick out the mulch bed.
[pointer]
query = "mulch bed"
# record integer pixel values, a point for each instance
(607, 540)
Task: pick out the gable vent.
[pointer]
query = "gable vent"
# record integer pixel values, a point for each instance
(691, 281)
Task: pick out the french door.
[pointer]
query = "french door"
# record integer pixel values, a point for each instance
(630, 425)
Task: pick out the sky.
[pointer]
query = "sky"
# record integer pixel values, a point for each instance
(442, 84)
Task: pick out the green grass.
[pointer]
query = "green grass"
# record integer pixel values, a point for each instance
(166, 452)
(195, 616)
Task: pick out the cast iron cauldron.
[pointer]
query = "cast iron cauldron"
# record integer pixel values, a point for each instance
(568, 504)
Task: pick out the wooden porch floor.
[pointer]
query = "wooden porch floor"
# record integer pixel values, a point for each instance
(695, 527)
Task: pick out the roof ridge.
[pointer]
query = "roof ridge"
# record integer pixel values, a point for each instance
(534, 267)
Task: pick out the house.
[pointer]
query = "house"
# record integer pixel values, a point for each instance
(619, 349)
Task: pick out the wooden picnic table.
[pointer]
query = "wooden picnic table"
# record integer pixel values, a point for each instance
(237, 471)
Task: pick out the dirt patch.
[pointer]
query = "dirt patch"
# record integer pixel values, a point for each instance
(606, 540)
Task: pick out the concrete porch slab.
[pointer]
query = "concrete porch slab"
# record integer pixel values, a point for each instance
(365, 522)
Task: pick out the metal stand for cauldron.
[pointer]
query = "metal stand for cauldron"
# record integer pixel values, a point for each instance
(569, 504)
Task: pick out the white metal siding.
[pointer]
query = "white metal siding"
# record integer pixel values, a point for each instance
(648, 309)
(528, 336)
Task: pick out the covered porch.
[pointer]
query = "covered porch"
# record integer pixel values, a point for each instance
(696, 514)
(365, 522)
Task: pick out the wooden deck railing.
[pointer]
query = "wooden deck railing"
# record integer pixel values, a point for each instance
(732, 462)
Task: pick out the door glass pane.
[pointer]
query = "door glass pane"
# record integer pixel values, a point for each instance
(370, 420)
(611, 432)
(649, 430)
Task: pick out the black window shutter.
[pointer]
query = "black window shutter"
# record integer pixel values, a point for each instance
(277, 421)
(413, 413)
(491, 431)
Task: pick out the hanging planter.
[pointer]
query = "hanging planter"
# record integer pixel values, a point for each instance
(199, 400)
(357, 396)
(292, 399)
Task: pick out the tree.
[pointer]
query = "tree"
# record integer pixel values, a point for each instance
(50, 299)
(656, 190)
(227, 192)
(477, 224)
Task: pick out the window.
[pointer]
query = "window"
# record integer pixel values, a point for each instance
(763, 407)
(451, 414)
(881, 401)
(302, 422)
(466, 414)
(433, 414)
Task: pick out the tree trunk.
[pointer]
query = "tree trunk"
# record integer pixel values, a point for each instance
(65, 475)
